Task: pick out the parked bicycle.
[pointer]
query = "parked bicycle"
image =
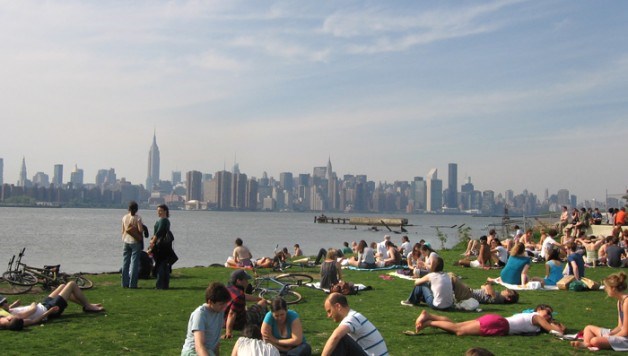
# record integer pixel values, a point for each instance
(271, 287)
(23, 277)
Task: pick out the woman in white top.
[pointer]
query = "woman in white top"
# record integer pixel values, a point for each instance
(435, 289)
(602, 338)
(132, 233)
(366, 256)
(251, 343)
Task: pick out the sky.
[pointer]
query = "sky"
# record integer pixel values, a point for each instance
(520, 94)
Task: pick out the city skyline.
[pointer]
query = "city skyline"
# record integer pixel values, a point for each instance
(520, 94)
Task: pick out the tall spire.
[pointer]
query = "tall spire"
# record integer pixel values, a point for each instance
(153, 164)
(23, 180)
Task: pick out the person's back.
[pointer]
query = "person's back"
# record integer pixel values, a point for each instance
(522, 324)
(365, 333)
(613, 255)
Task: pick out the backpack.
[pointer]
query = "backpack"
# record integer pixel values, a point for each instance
(345, 288)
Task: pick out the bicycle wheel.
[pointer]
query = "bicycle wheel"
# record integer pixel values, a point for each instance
(290, 296)
(20, 278)
(296, 279)
(81, 282)
(9, 288)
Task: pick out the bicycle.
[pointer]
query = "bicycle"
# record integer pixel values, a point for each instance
(24, 276)
(271, 287)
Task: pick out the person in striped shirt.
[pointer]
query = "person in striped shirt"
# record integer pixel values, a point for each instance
(355, 335)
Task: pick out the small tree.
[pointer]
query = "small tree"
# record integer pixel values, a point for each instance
(464, 234)
(442, 237)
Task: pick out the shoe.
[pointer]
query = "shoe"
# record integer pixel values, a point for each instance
(406, 303)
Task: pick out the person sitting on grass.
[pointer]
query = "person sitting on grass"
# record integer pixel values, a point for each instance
(499, 254)
(553, 269)
(251, 344)
(617, 338)
(493, 324)
(283, 329)
(516, 269)
(435, 289)
(591, 245)
(484, 256)
(392, 256)
(355, 335)
(365, 258)
(486, 294)
(205, 323)
(235, 312)
(575, 261)
(331, 270)
(59, 298)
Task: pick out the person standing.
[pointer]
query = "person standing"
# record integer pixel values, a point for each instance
(132, 233)
(161, 254)
(205, 324)
(355, 335)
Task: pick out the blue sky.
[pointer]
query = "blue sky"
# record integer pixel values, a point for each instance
(521, 94)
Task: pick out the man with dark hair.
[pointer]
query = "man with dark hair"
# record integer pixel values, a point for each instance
(241, 256)
(235, 312)
(355, 335)
(203, 334)
(484, 295)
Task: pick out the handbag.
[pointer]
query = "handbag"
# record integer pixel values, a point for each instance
(564, 282)
(591, 284)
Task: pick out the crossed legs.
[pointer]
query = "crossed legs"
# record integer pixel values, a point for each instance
(71, 292)
(592, 336)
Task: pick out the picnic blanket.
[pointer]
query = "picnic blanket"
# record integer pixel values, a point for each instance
(528, 286)
(317, 285)
(400, 275)
(353, 268)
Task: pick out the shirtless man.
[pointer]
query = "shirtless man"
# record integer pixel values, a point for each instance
(241, 256)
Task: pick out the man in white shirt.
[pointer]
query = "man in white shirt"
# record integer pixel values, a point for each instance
(355, 335)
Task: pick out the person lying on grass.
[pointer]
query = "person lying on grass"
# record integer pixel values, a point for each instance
(616, 339)
(493, 324)
(18, 321)
(486, 294)
(54, 304)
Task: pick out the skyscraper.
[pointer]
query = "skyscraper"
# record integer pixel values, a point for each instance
(194, 184)
(153, 165)
(434, 201)
(452, 186)
(23, 182)
(1, 171)
(76, 177)
(57, 178)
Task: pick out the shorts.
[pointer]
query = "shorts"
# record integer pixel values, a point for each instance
(57, 301)
(245, 263)
(493, 325)
(366, 265)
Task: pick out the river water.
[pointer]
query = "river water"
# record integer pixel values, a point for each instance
(88, 240)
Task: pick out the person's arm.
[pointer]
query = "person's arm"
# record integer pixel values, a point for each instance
(15, 304)
(334, 339)
(231, 317)
(296, 338)
(25, 312)
(546, 325)
(339, 269)
(28, 322)
(524, 274)
(488, 288)
(199, 343)
(422, 280)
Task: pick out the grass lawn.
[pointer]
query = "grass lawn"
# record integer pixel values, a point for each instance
(154, 322)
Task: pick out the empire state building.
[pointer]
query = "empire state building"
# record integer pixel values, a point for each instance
(153, 165)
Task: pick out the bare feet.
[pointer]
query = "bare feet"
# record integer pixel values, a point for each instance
(420, 321)
(93, 308)
(578, 344)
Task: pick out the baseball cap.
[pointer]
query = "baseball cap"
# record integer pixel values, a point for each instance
(239, 274)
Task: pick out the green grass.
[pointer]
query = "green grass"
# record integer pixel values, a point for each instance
(154, 322)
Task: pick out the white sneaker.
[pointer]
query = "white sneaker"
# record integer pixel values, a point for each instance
(406, 303)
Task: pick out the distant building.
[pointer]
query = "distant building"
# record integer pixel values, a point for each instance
(41, 179)
(76, 177)
(153, 165)
(452, 187)
(176, 177)
(563, 197)
(23, 181)
(194, 184)
(1, 172)
(285, 180)
(57, 178)
(434, 187)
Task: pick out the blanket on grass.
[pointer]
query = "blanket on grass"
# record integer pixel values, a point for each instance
(529, 286)
(317, 285)
(353, 268)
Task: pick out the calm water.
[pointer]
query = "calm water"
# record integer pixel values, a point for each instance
(88, 240)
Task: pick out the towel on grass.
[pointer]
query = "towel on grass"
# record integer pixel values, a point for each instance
(353, 268)
(317, 285)
(529, 286)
